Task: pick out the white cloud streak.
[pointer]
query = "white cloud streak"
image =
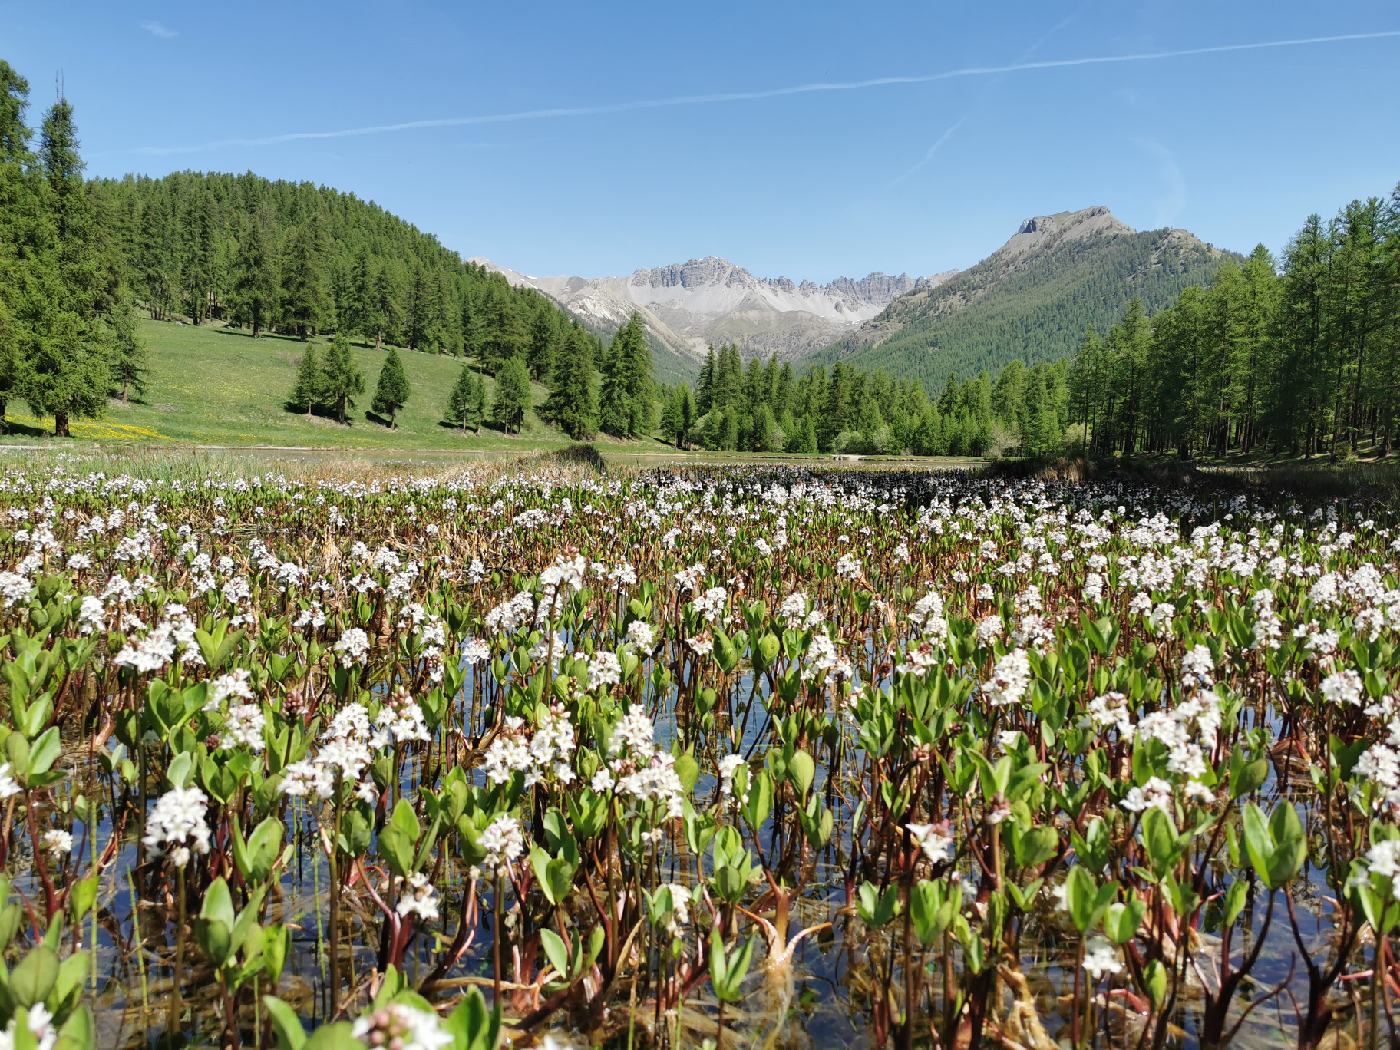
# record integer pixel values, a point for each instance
(932, 150)
(560, 112)
(159, 29)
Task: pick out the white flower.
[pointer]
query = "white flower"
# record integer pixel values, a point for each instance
(40, 1024)
(1383, 858)
(1155, 794)
(1343, 687)
(418, 897)
(58, 842)
(934, 840)
(641, 636)
(176, 824)
(229, 687)
(8, 785)
(1010, 679)
(1101, 958)
(244, 728)
(728, 765)
(603, 670)
(503, 842)
(1198, 668)
(397, 1026)
(475, 651)
(353, 647)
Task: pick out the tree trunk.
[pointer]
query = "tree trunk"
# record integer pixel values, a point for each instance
(60, 424)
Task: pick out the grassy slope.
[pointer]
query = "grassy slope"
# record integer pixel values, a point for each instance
(211, 385)
(220, 387)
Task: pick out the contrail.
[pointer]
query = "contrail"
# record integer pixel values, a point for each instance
(767, 93)
(952, 128)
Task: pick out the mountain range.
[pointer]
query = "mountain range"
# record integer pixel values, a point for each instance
(1031, 298)
(690, 306)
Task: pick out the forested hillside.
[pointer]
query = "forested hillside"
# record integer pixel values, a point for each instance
(304, 259)
(79, 259)
(1031, 300)
(1302, 358)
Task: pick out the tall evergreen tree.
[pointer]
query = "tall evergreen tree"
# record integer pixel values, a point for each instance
(306, 301)
(23, 230)
(502, 331)
(310, 389)
(573, 402)
(512, 397)
(255, 277)
(342, 377)
(66, 371)
(467, 404)
(128, 351)
(392, 390)
(544, 345)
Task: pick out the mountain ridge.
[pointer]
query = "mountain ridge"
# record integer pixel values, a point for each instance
(1031, 299)
(709, 300)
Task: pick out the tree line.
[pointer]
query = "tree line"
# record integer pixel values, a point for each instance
(768, 406)
(79, 257)
(67, 331)
(1298, 356)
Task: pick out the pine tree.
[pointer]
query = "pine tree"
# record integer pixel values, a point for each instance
(255, 277)
(467, 403)
(502, 336)
(612, 398)
(572, 404)
(22, 228)
(343, 379)
(678, 418)
(311, 386)
(306, 303)
(385, 304)
(705, 385)
(512, 398)
(422, 310)
(355, 314)
(544, 345)
(128, 351)
(635, 355)
(391, 391)
(66, 371)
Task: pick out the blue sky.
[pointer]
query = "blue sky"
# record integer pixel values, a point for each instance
(1237, 146)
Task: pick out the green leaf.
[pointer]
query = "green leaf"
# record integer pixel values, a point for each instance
(333, 1037)
(1121, 921)
(33, 979)
(472, 1026)
(79, 1032)
(1035, 845)
(802, 770)
(43, 753)
(1290, 845)
(553, 946)
(84, 896)
(1248, 777)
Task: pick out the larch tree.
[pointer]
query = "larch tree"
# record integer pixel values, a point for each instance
(467, 404)
(66, 371)
(255, 277)
(343, 379)
(573, 401)
(392, 390)
(512, 397)
(129, 363)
